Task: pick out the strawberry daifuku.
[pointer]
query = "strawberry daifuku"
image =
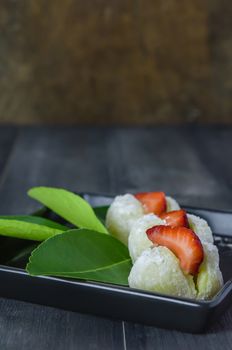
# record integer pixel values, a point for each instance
(196, 258)
(183, 242)
(126, 209)
(172, 251)
(158, 270)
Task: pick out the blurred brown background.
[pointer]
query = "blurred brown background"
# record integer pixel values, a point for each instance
(115, 61)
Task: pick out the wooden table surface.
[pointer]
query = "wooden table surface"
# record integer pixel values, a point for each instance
(192, 164)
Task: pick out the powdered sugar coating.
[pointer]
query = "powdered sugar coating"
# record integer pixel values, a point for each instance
(138, 240)
(122, 214)
(209, 278)
(158, 270)
(201, 228)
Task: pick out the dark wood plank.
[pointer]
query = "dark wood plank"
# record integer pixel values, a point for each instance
(214, 149)
(128, 159)
(75, 158)
(57, 157)
(139, 337)
(184, 162)
(26, 326)
(7, 138)
(169, 158)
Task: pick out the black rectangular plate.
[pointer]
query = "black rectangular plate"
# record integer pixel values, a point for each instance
(126, 303)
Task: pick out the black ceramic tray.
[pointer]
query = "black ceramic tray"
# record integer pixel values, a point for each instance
(126, 303)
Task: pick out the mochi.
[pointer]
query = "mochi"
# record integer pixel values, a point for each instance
(209, 279)
(122, 214)
(138, 240)
(158, 270)
(172, 204)
(201, 228)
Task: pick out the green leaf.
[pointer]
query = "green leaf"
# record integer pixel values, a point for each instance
(68, 205)
(27, 230)
(36, 220)
(101, 212)
(20, 259)
(83, 254)
(11, 247)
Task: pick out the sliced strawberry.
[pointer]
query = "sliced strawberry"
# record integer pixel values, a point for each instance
(175, 218)
(183, 242)
(153, 202)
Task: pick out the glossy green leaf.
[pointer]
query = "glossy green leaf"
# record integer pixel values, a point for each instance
(36, 220)
(83, 254)
(101, 212)
(21, 256)
(11, 247)
(68, 205)
(27, 230)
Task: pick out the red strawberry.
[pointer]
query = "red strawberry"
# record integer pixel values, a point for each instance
(175, 218)
(153, 202)
(183, 242)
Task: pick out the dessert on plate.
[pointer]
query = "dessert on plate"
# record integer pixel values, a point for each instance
(127, 208)
(172, 251)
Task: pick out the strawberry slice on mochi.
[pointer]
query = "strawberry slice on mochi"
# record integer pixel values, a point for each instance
(183, 242)
(175, 218)
(153, 202)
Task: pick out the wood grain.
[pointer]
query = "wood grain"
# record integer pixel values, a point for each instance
(115, 61)
(26, 326)
(149, 338)
(7, 139)
(190, 163)
(48, 156)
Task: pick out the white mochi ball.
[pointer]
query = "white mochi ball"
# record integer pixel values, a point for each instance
(201, 228)
(209, 279)
(172, 204)
(158, 270)
(138, 240)
(122, 214)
